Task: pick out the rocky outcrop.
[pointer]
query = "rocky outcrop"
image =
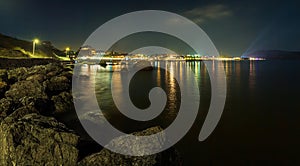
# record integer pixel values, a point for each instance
(27, 137)
(36, 140)
(28, 89)
(106, 157)
(47, 88)
(34, 103)
(63, 103)
(57, 84)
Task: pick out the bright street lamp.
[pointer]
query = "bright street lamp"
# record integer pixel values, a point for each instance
(34, 42)
(67, 50)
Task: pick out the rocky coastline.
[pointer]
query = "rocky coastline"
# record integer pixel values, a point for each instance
(35, 107)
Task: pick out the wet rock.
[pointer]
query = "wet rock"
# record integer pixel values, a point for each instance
(63, 102)
(28, 89)
(36, 140)
(106, 157)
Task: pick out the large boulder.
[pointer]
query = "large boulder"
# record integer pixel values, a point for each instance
(24, 93)
(106, 157)
(26, 89)
(57, 84)
(63, 102)
(36, 140)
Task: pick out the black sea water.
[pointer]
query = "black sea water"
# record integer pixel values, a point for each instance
(260, 124)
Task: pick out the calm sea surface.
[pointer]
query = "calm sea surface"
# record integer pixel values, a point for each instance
(261, 119)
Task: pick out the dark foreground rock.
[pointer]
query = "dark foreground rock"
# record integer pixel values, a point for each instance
(37, 126)
(29, 135)
(36, 140)
(106, 157)
(46, 87)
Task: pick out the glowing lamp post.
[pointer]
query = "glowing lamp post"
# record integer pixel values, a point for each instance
(67, 50)
(34, 42)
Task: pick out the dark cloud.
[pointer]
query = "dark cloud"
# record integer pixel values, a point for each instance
(210, 12)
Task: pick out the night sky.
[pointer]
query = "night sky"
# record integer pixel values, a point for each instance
(235, 27)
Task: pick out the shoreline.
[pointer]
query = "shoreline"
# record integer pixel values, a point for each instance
(11, 63)
(39, 126)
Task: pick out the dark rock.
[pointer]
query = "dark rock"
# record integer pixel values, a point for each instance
(28, 89)
(63, 102)
(5, 107)
(42, 105)
(20, 112)
(3, 88)
(17, 74)
(38, 77)
(41, 69)
(3, 75)
(68, 74)
(40, 72)
(57, 84)
(53, 70)
(36, 140)
(106, 157)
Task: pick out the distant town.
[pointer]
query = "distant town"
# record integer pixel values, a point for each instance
(89, 54)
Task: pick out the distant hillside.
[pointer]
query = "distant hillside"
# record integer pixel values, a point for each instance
(16, 48)
(274, 54)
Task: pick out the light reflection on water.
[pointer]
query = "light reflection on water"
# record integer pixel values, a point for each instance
(260, 119)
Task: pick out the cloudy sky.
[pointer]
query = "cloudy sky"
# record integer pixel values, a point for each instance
(236, 27)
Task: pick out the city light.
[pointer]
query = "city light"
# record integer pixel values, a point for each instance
(34, 42)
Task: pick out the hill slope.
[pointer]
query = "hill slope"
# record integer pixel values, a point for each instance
(16, 48)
